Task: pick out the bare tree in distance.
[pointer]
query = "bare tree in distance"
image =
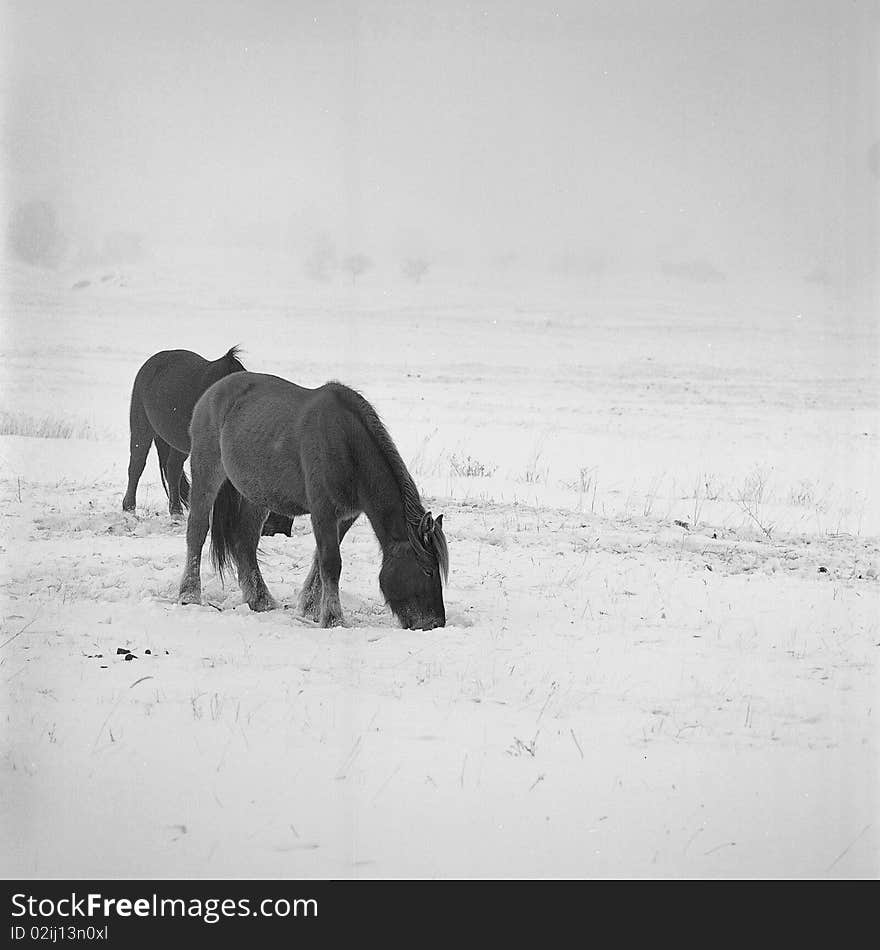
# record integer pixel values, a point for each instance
(35, 235)
(415, 268)
(320, 264)
(355, 265)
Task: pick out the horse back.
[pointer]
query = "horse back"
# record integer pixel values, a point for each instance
(271, 434)
(171, 382)
(260, 402)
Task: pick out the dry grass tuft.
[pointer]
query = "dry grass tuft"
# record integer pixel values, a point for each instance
(45, 427)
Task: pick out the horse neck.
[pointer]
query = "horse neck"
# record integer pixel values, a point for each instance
(383, 504)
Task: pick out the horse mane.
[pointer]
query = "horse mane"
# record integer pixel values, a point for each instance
(413, 508)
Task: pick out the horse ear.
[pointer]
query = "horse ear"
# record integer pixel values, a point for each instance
(426, 524)
(438, 523)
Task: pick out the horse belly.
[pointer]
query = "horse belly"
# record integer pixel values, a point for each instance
(265, 472)
(171, 424)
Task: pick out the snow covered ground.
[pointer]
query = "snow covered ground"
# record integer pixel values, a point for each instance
(662, 645)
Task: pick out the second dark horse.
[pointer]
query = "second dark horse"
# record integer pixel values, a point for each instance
(165, 391)
(259, 443)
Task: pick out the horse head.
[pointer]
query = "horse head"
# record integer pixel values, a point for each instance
(413, 573)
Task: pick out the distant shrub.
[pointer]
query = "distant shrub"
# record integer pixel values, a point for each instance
(34, 234)
(697, 271)
(804, 495)
(45, 427)
(583, 263)
(819, 276)
(505, 261)
(469, 467)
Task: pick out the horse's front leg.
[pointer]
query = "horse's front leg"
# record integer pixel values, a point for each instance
(310, 595)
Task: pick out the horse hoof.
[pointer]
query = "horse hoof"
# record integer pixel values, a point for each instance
(333, 621)
(263, 604)
(187, 597)
(309, 610)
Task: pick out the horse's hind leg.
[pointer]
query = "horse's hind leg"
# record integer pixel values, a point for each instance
(208, 476)
(312, 590)
(244, 550)
(139, 446)
(173, 471)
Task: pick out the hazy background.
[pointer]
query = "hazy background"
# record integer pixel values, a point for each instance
(706, 139)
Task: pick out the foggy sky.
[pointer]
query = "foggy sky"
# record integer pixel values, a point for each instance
(736, 132)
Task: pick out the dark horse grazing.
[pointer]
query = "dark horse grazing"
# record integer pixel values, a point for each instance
(165, 392)
(259, 443)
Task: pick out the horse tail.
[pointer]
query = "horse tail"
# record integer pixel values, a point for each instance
(162, 450)
(232, 359)
(224, 522)
(184, 490)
